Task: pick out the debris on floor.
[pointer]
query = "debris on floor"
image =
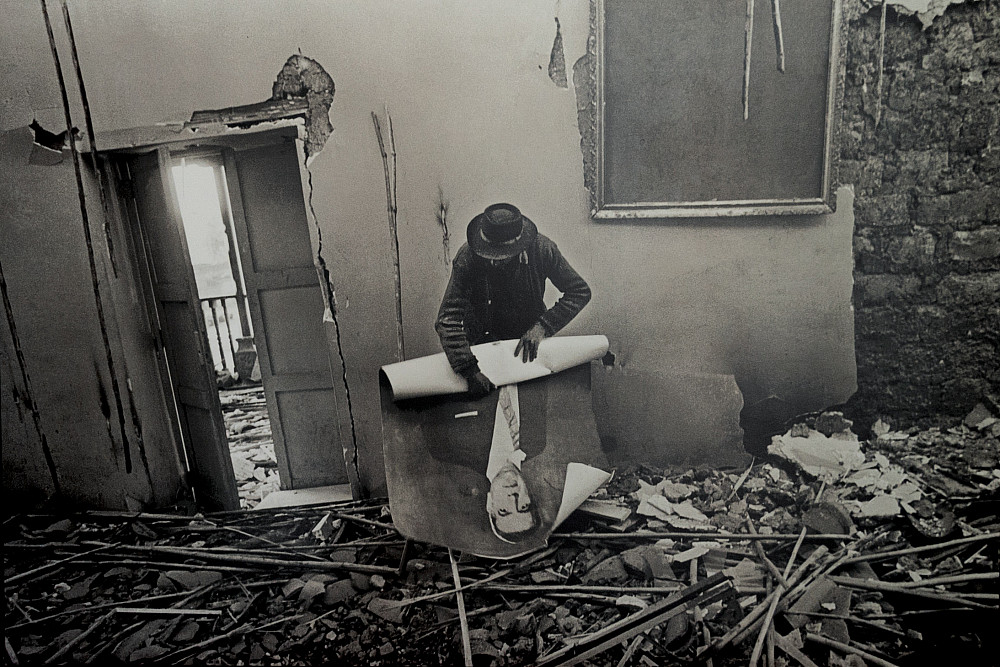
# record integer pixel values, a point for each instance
(251, 444)
(886, 555)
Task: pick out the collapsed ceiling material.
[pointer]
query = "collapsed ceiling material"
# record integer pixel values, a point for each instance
(717, 564)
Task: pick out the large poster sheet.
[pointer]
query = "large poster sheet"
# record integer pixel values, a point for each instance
(494, 476)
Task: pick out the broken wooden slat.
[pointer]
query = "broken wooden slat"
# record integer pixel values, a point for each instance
(737, 633)
(793, 652)
(207, 554)
(463, 619)
(882, 555)
(763, 556)
(778, 590)
(253, 113)
(846, 648)
(44, 569)
(677, 535)
(78, 639)
(955, 579)
(167, 611)
(885, 587)
(710, 590)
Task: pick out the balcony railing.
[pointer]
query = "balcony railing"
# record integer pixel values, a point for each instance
(225, 320)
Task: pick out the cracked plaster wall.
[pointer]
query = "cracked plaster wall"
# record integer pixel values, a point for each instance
(478, 119)
(48, 280)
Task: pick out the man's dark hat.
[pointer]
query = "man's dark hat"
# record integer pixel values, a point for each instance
(500, 232)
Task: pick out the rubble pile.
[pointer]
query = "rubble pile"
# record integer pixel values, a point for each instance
(251, 445)
(831, 551)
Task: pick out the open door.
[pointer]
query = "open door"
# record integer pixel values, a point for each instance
(184, 338)
(286, 306)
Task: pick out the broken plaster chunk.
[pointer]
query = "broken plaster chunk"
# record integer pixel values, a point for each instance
(799, 431)
(689, 511)
(879, 506)
(819, 455)
(674, 491)
(691, 554)
(657, 507)
(746, 574)
(304, 77)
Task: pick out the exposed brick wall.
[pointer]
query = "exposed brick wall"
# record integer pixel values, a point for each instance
(927, 210)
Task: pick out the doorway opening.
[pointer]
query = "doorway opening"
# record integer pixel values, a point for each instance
(225, 255)
(203, 199)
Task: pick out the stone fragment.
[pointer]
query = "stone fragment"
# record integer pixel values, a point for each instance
(976, 245)
(832, 422)
(609, 570)
(387, 609)
(310, 590)
(636, 561)
(979, 414)
(189, 580)
(829, 519)
(186, 632)
(292, 587)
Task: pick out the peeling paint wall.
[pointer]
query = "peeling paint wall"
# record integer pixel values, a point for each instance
(479, 116)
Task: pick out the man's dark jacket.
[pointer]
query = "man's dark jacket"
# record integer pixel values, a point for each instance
(485, 303)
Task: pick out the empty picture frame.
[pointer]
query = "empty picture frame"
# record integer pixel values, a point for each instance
(671, 139)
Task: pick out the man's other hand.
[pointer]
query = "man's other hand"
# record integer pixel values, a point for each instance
(479, 385)
(527, 347)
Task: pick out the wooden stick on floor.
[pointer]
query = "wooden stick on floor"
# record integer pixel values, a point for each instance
(779, 589)
(79, 638)
(463, 619)
(865, 655)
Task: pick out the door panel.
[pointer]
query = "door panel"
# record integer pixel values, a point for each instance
(185, 340)
(275, 213)
(313, 440)
(289, 333)
(285, 297)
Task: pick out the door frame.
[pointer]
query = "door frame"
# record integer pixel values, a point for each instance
(212, 488)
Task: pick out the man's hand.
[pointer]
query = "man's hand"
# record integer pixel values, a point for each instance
(527, 347)
(479, 386)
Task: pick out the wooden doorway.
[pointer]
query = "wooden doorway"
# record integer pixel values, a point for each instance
(260, 194)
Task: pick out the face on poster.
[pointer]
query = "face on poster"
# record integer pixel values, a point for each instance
(492, 476)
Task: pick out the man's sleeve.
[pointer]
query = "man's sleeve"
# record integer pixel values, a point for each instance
(575, 290)
(450, 324)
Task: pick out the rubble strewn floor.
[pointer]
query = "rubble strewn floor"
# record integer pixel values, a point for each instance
(888, 556)
(251, 445)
